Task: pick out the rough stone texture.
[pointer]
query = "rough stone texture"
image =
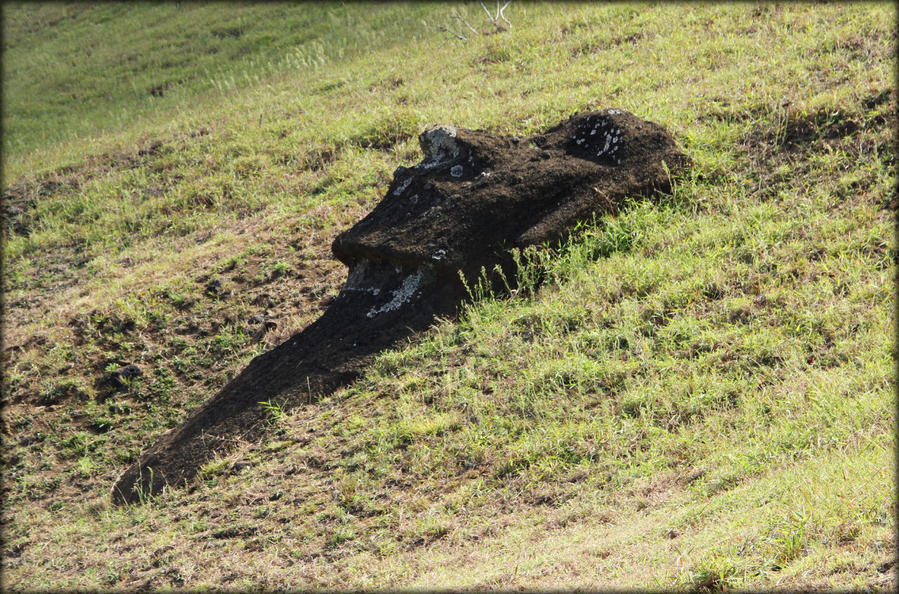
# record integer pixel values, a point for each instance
(477, 194)
(474, 196)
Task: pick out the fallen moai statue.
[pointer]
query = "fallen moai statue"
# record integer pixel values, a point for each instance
(475, 196)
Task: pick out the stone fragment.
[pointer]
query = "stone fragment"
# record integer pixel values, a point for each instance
(120, 377)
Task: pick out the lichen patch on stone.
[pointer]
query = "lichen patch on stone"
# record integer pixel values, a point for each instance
(599, 136)
(401, 296)
(439, 146)
(402, 187)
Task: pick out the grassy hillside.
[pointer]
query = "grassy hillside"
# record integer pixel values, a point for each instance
(700, 395)
(66, 78)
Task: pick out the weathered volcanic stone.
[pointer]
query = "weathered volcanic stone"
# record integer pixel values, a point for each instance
(474, 196)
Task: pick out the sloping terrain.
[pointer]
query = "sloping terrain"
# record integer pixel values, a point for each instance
(697, 393)
(475, 203)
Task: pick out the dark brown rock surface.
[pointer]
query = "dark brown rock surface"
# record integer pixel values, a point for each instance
(475, 196)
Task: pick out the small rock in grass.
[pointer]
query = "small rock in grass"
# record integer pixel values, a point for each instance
(238, 466)
(120, 377)
(215, 288)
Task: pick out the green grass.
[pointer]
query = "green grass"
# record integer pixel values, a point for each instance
(171, 53)
(700, 394)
